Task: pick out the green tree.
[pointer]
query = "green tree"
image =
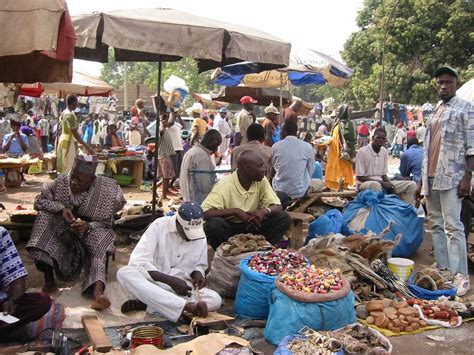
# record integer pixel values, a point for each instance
(147, 73)
(421, 36)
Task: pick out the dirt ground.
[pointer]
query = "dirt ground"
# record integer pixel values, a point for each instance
(449, 341)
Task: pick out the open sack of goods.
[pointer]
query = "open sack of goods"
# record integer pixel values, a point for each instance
(352, 339)
(356, 257)
(314, 297)
(225, 272)
(432, 283)
(257, 278)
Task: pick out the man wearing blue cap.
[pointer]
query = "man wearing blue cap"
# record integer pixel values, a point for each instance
(168, 262)
(448, 164)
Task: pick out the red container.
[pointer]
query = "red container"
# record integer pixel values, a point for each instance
(147, 335)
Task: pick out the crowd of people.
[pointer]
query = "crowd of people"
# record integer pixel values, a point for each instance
(75, 211)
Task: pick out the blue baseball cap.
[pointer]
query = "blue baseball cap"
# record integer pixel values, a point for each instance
(191, 217)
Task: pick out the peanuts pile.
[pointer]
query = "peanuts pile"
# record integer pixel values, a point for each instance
(276, 261)
(312, 280)
(436, 310)
(394, 316)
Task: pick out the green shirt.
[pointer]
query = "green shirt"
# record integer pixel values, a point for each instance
(228, 193)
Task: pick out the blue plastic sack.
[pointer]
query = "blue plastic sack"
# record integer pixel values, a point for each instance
(283, 345)
(385, 208)
(251, 300)
(328, 223)
(288, 316)
(425, 294)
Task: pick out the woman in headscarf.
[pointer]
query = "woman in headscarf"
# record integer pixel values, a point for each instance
(342, 153)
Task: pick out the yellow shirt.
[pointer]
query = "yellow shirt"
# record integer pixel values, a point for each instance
(201, 126)
(228, 193)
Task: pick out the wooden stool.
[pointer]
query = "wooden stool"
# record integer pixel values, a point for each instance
(299, 229)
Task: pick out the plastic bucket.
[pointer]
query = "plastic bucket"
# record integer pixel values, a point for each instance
(401, 266)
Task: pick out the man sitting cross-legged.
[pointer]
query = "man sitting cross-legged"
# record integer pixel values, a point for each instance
(168, 261)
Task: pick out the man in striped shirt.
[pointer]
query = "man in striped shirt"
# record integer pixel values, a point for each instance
(27, 307)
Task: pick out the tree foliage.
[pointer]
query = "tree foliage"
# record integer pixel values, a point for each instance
(147, 73)
(421, 35)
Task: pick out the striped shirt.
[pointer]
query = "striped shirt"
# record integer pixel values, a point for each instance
(165, 148)
(11, 266)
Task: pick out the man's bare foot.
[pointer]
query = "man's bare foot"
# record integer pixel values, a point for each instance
(133, 305)
(49, 287)
(100, 303)
(197, 309)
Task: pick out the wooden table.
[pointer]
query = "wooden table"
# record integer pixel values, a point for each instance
(138, 167)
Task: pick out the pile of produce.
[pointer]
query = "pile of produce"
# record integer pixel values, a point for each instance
(312, 280)
(314, 343)
(397, 316)
(276, 261)
(244, 243)
(435, 310)
(360, 339)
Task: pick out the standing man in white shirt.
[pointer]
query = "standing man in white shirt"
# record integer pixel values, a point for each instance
(168, 262)
(44, 126)
(420, 134)
(221, 124)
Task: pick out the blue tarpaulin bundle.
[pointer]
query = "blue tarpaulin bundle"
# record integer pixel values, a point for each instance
(383, 209)
(287, 316)
(328, 223)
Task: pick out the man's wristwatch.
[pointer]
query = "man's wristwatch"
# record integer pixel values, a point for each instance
(269, 211)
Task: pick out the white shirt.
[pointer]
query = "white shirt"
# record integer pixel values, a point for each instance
(162, 249)
(175, 133)
(371, 164)
(222, 126)
(399, 136)
(420, 133)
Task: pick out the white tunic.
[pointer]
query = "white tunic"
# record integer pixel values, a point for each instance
(162, 249)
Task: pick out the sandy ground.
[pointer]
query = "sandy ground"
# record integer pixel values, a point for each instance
(452, 341)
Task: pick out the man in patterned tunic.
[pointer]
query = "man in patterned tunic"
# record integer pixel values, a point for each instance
(27, 307)
(73, 228)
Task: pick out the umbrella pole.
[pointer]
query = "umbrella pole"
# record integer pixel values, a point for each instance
(157, 132)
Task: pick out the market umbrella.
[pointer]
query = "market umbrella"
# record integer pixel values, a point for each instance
(37, 41)
(168, 35)
(466, 91)
(263, 96)
(82, 84)
(306, 66)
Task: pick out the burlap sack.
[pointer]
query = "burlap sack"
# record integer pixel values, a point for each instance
(301, 296)
(225, 273)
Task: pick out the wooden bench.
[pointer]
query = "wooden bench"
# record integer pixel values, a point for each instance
(315, 196)
(299, 228)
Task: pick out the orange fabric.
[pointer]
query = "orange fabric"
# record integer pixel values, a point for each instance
(337, 167)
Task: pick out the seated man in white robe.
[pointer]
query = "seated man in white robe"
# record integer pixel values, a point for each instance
(166, 268)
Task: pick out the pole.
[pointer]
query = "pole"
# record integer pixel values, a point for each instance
(382, 74)
(125, 89)
(157, 135)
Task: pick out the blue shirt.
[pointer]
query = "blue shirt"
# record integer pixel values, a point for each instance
(11, 266)
(293, 161)
(318, 171)
(15, 147)
(411, 162)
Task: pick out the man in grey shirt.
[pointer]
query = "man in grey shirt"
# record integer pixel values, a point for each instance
(196, 186)
(293, 163)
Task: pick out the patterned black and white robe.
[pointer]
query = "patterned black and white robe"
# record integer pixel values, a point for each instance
(53, 243)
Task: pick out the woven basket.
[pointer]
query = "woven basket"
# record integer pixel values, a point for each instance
(301, 296)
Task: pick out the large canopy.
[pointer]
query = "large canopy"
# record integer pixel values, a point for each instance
(466, 91)
(263, 96)
(37, 41)
(143, 34)
(306, 66)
